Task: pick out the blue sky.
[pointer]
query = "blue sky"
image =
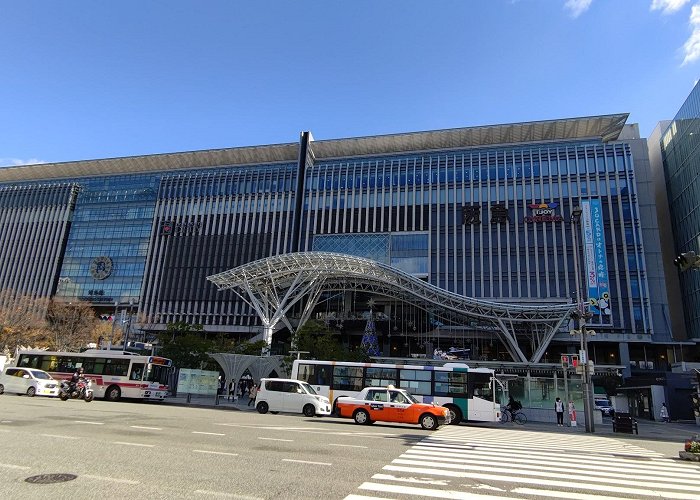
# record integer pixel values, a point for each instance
(84, 79)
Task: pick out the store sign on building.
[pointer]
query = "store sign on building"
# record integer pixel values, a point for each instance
(168, 228)
(543, 212)
(595, 257)
(471, 215)
(499, 214)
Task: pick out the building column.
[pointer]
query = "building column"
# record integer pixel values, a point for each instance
(625, 359)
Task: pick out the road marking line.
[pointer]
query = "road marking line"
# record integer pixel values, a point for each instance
(276, 439)
(606, 488)
(5, 430)
(363, 497)
(589, 475)
(113, 479)
(86, 422)
(147, 428)
(208, 433)
(425, 492)
(11, 466)
(613, 470)
(305, 462)
(348, 445)
(562, 494)
(133, 444)
(58, 436)
(5, 421)
(216, 453)
(227, 495)
(434, 482)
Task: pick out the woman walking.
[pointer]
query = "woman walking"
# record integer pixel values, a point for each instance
(252, 393)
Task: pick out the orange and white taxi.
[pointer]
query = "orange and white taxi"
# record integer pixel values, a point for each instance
(389, 404)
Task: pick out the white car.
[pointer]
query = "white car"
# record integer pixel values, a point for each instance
(29, 381)
(295, 396)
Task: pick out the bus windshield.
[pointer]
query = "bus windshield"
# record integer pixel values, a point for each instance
(157, 373)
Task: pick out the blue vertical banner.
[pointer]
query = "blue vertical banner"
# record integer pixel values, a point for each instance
(595, 258)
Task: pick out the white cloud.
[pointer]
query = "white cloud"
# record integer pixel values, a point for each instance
(577, 7)
(668, 6)
(16, 162)
(691, 47)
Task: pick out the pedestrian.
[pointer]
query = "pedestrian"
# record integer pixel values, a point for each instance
(252, 394)
(559, 409)
(572, 414)
(231, 390)
(664, 413)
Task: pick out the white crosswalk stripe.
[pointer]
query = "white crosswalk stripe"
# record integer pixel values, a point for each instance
(489, 464)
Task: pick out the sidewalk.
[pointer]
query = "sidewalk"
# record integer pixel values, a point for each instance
(210, 402)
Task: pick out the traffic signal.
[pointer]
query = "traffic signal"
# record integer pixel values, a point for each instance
(687, 260)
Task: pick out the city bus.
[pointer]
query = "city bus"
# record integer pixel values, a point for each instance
(114, 374)
(469, 393)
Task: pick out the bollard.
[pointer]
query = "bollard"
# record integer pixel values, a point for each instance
(189, 398)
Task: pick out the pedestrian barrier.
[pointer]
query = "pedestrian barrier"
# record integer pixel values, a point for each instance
(624, 423)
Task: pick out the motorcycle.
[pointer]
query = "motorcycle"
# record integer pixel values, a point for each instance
(82, 390)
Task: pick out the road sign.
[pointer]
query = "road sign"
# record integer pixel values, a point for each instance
(569, 360)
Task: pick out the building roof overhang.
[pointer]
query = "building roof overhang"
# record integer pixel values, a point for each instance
(603, 127)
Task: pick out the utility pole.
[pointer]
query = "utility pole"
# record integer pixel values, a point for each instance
(114, 320)
(580, 316)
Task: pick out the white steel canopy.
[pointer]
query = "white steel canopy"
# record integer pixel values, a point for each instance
(273, 285)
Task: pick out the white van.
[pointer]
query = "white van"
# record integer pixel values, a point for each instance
(29, 381)
(289, 395)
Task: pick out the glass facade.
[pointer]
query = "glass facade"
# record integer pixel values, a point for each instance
(681, 157)
(107, 246)
(481, 210)
(482, 220)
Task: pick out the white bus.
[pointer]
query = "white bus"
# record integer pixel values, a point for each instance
(469, 393)
(114, 374)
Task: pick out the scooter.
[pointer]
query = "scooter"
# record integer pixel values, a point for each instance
(82, 390)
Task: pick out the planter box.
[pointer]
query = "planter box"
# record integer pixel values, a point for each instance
(686, 455)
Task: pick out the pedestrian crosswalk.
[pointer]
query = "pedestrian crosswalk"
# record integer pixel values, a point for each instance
(475, 463)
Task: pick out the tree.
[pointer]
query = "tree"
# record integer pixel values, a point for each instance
(184, 345)
(22, 321)
(72, 325)
(321, 343)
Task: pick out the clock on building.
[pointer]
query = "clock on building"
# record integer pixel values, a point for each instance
(101, 267)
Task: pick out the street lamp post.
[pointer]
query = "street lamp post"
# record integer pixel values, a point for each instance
(114, 320)
(128, 325)
(581, 315)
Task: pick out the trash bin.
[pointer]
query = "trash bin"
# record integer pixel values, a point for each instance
(623, 422)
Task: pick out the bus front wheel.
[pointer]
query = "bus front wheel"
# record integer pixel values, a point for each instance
(113, 393)
(455, 414)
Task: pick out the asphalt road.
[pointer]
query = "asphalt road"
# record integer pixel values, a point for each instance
(132, 450)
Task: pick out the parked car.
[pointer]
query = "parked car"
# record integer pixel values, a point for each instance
(388, 404)
(289, 395)
(29, 381)
(604, 406)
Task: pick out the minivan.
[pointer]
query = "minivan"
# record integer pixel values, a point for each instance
(289, 395)
(29, 381)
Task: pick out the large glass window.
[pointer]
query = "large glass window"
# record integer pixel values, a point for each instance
(416, 381)
(315, 374)
(451, 384)
(347, 378)
(380, 377)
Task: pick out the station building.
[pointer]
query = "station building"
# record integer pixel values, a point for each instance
(482, 212)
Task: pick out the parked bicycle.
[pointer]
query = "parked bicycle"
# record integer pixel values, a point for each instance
(516, 416)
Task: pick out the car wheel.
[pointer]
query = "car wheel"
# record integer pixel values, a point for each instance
(113, 393)
(361, 417)
(2, 389)
(455, 414)
(428, 422)
(31, 392)
(309, 411)
(262, 407)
